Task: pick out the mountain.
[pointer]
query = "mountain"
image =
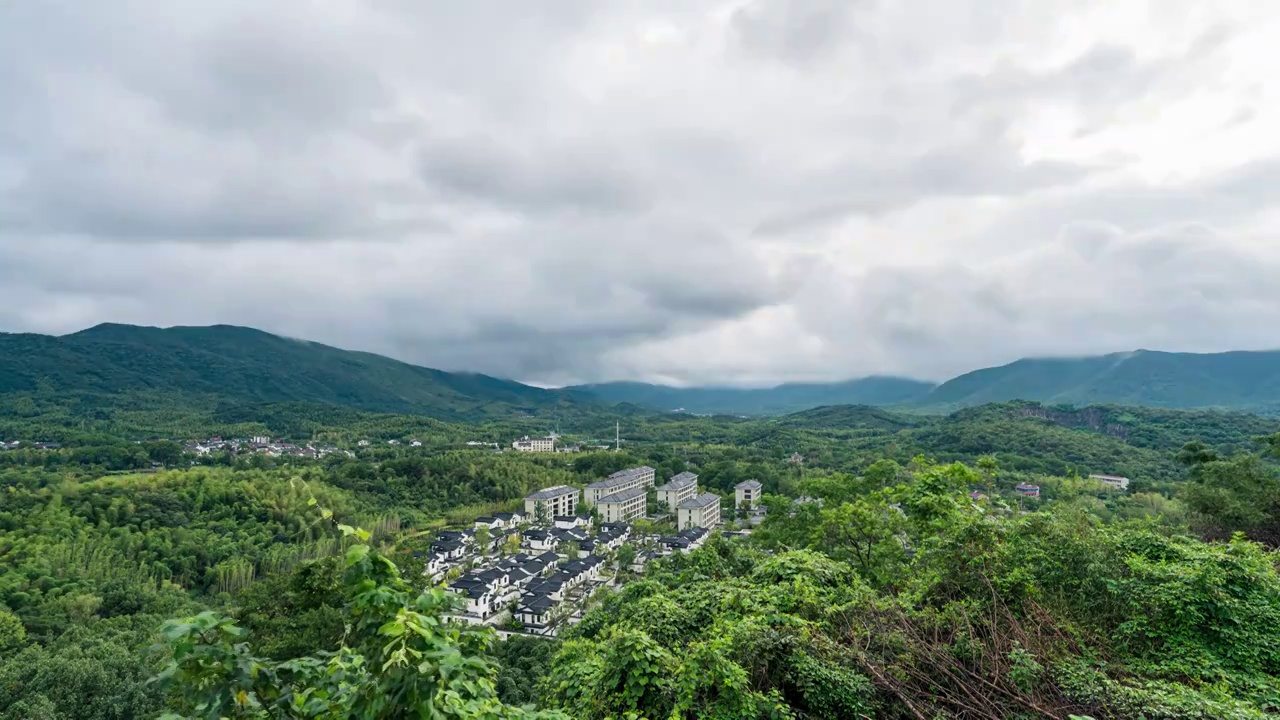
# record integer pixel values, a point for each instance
(779, 400)
(1244, 381)
(241, 366)
(1232, 380)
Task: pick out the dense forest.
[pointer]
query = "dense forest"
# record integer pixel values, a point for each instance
(137, 579)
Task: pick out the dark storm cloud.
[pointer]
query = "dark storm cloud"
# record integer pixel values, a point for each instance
(581, 190)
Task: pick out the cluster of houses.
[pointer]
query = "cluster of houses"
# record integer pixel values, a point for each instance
(557, 568)
(16, 444)
(563, 546)
(259, 445)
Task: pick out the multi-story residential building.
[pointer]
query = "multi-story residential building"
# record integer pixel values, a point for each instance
(1115, 481)
(538, 444)
(623, 506)
(558, 500)
(747, 494)
(678, 489)
(618, 482)
(702, 511)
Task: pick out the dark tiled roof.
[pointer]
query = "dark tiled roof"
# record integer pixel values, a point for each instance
(703, 500)
(623, 496)
(551, 493)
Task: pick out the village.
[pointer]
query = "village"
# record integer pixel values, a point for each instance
(536, 570)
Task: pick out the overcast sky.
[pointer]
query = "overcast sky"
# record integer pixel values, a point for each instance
(744, 192)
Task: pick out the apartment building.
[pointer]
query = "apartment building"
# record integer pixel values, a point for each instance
(558, 500)
(747, 494)
(538, 444)
(637, 477)
(678, 489)
(702, 511)
(623, 506)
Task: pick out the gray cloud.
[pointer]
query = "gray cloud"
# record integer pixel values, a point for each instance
(727, 191)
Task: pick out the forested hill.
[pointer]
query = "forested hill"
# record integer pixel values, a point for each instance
(1233, 380)
(236, 365)
(779, 400)
(1246, 381)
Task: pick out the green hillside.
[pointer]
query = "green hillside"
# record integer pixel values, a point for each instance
(235, 365)
(1234, 380)
(779, 400)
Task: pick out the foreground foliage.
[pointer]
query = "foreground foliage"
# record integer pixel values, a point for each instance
(397, 659)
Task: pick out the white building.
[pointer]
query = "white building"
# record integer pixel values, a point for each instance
(1115, 481)
(678, 489)
(623, 506)
(747, 494)
(538, 444)
(558, 500)
(618, 482)
(702, 511)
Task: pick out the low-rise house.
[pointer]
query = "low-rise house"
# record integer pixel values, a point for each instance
(568, 522)
(551, 587)
(613, 535)
(479, 599)
(538, 539)
(1027, 490)
(642, 560)
(575, 535)
(1115, 481)
(536, 612)
(678, 489)
(449, 549)
(702, 511)
(509, 520)
(673, 543)
(488, 522)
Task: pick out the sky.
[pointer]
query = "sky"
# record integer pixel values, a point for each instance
(717, 192)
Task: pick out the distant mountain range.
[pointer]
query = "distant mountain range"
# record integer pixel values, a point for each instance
(1234, 380)
(780, 400)
(241, 366)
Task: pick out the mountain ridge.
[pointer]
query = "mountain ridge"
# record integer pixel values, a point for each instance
(246, 366)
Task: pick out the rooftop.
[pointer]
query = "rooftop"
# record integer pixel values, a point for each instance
(683, 480)
(623, 496)
(552, 492)
(703, 500)
(749, 485)
(620, 477)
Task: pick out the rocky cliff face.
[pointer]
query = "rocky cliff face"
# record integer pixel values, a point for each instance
(1092, 418)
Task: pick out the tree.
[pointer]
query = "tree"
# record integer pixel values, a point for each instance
(12, 634)
(569, 548)
(399, 660)
(484, 538)
(626, 556)
(511, 546)
(882, 473)
(1197, 453)
(1237, 495)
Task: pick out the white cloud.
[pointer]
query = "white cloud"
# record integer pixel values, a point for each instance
(747, 191)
